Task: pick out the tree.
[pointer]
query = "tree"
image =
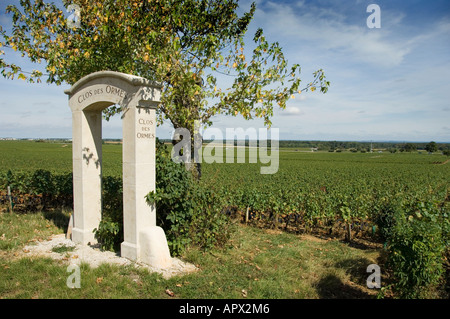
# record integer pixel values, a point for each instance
(392, 150)
(431, 147)
(183, 44)
(409, 147)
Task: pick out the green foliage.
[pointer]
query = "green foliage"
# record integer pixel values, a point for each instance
(110, 229)
(39, 188)
(416, 248)
(109, 234)
(42, 182)
(112, 197)
(409, 147)
(210, 226)
(385, 216)
(189, 212)
(173, 199)
(431, 147)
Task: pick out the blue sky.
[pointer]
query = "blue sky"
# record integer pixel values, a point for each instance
(391, 83)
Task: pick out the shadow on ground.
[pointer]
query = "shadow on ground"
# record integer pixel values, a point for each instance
(332, 287)
(356, 268)
(59, 217)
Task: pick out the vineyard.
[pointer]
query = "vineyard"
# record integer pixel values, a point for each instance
(40, 174)
(400, 200)
(311, 191)
(331, 190)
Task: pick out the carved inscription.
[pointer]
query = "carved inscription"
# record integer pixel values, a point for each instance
(107, 89)
(145, 129)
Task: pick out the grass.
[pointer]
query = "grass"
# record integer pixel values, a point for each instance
(17, 230)
(268, 264)
(256, 264)
(62, 249)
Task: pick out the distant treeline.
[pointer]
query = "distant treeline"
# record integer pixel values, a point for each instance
(316, 145)
(347, 145)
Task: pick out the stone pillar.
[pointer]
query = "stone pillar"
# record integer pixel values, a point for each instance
(142, 238)
(87, 174)
(138, 156)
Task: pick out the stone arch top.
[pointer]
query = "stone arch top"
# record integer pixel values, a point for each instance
(99, 90)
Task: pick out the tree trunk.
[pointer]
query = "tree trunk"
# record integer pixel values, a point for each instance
(194, 165)
(196, 142)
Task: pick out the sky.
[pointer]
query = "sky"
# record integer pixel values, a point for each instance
(387, 84)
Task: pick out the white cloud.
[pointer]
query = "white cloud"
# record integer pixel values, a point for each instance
(319, 29)
(291, 110)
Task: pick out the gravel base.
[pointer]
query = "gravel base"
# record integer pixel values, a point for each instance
(94, 256)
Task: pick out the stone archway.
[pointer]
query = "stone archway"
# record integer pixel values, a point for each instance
(139, 97)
